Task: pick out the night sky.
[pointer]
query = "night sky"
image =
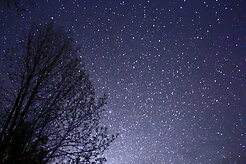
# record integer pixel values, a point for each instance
(174, 70)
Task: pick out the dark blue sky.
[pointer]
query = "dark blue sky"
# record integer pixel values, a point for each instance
(175, 72)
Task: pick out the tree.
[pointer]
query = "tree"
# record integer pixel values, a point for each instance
(49, 110)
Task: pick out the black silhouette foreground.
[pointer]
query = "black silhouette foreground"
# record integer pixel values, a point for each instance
(49, 110)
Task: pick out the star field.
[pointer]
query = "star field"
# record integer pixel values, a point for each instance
(174, 71)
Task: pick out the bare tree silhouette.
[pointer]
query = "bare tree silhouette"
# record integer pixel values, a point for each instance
(49, 110)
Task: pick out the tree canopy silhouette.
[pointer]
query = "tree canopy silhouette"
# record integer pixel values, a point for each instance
(49, 110)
